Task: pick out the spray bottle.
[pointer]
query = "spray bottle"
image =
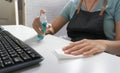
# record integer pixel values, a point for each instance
(43, 21)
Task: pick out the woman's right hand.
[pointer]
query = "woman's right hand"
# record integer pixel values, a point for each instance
(37, 25)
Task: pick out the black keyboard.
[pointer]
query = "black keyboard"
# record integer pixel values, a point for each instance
(15, 54)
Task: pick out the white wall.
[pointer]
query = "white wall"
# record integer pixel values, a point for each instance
(53, 8)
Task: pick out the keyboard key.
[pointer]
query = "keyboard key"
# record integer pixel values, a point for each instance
(8, 62)
(1, 63)
(33, 55)
(17, 59)
(25, 56)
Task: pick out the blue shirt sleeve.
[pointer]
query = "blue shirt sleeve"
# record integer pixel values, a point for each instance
(65, 13)
(117, 11)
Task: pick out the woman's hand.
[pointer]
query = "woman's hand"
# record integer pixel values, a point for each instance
(85, 47)
(37, 25)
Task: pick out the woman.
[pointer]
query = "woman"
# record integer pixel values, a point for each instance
(94, 26)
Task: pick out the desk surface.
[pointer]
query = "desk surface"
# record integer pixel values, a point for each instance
(102, 63)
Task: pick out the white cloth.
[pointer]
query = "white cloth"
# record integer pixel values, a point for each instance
(62, 55)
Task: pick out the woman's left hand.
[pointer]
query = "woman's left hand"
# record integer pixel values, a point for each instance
(85, 47)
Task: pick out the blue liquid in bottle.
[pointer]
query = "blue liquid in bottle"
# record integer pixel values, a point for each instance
(43, 21)
(40, 37)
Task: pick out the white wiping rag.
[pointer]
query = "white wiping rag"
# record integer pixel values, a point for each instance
(61, 55)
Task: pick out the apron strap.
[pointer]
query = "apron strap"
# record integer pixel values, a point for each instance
(102, 9)
(79, 7)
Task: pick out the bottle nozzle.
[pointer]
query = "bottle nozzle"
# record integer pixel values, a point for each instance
(43, 17)
(42, 11)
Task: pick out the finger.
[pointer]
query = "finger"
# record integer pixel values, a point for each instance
(82, 50)
(36, 25)
(75, 48)
(73, 44)
(68, 47)
(80, 42)
(68, 51)
(37, 22)
(90, 52)
(37, 29)
(49, 25)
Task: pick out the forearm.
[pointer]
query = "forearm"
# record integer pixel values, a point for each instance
(112, 47)
(56, 25)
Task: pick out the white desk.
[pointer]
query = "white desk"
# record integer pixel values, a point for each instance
(102, 63)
